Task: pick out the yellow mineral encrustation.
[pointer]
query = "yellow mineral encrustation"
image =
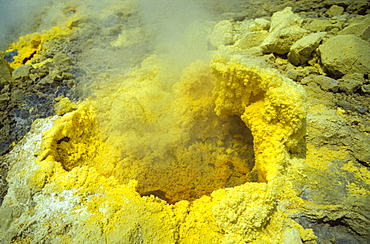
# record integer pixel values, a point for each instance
(185, 122)
(272, 107)
(168, 158)
(31, 46)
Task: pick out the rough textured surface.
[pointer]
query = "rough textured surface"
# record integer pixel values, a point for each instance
(285, 29)
(208, 134)
(301, 51)
(345, 54)
(359, 28)
(39, 76)
(73, 162)
(258, 97)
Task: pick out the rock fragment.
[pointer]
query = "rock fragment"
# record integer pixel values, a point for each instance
(360, 29)
(62, 60)
(351, 83)
(301, 50)
(63, 106)
(251, 39)
(325, 25)
(5, 71)
(359, 7)
(326, 83)
(222, 34)
(22, 73)
(345, 54)
(335, 10)
(284, 31)
(260, 25)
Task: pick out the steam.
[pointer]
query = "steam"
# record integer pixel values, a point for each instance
(146, 64)
(15, 16)
(177, 28)
(22, 17)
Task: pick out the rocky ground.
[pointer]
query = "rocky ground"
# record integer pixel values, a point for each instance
(323, 46)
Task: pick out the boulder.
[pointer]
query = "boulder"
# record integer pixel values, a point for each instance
(345, 54)
(260, 25)
(351, 83)
(222, 34)
(5, 70)
(335, 10)
(301, 50)
(285, 29)
(325, 25)
(360, 29)
(326, 83)
(251, 39)
(22, 73)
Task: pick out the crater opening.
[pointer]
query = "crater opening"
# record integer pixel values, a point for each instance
(225, 160)
(212, 156)
(171, 141)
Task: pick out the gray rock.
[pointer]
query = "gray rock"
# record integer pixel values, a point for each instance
(362, 109)
(22, 72)
(349, 86)
(345, 54)
(326, 83)
(17, 95)
(351, 83)
(301, 50)
(346, 106)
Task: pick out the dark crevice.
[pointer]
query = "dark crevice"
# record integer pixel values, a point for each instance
(29, 58)
(363, 163)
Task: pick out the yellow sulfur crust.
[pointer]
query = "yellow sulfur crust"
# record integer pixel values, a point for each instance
(272, 106)
(31, 46)
(76, 156)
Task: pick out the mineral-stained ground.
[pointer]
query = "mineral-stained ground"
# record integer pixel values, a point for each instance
(186, 122)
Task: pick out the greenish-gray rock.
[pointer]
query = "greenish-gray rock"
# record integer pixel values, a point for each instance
(345, 54)
(301, 50)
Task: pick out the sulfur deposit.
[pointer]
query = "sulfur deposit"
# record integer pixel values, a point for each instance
(195, 132)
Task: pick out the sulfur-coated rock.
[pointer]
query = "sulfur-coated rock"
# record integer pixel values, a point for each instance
(325, 25)
(251, 39)
(285, 29)
(62, 106)
(61, 59)
(335, 10)
(5, 70)
(345, 54)
(360, 29)
(301, 50)
(366, 89)
(222, 34)
(259, 25)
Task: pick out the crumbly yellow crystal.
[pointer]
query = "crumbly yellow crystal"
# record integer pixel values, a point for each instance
(78, 154)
